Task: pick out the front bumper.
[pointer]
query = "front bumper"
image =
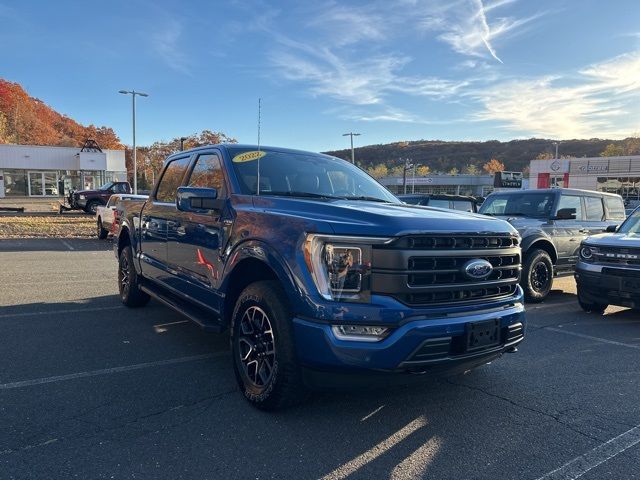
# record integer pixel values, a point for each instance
(611, 285)
(418, 345)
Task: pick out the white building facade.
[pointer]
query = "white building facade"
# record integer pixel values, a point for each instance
(619, 175)
(40, 171)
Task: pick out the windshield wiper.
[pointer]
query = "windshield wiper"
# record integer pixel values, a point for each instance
(364, 198)
(296, 194)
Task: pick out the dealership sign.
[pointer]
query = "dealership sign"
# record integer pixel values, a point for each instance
(507, 180)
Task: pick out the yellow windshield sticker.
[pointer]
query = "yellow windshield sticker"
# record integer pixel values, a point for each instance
(248, 156)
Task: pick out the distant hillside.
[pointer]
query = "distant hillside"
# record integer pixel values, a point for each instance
(442, 156)
(29, 121)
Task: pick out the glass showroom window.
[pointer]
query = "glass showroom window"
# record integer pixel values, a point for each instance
(15, 183)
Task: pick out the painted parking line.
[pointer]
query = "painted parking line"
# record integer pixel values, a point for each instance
(108, 371)
(589, 337)
(67, 244)
(590, 460)
(60, 312)
(67, 282)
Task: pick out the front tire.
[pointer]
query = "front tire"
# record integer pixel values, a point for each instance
(591, 307)
(102, 232)
(129, 282)
(262, 344)
(537, 276)
(92, 207)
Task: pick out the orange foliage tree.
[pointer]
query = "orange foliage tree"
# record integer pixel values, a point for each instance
(29, 121)
(494, 165)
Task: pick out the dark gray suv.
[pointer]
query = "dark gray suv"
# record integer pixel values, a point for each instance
(552, 223)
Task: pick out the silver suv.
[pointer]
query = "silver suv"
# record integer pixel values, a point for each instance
(608, 269)
(552, 223)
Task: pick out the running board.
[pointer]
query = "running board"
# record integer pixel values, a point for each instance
(195, 314)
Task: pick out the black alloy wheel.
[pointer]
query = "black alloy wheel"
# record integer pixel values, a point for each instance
(537, 275)
(102, 232)
(128, 281)
(263, 351)
(256, 346)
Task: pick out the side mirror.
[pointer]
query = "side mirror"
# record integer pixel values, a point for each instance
(193, 199)
(612, 229)
(566, 214)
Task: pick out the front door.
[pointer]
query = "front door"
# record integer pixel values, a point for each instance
(153, 223)
(196, 239)
(567, 234)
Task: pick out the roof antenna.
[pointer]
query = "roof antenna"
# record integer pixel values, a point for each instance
(259, 114)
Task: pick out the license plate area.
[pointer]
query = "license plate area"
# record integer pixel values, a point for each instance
(481, 335)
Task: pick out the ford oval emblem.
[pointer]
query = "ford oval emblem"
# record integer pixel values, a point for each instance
(477, 269)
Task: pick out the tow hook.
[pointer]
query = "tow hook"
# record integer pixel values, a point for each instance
(513, 349)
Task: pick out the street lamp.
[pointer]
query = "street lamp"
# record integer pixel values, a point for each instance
(407, 166)
(351, 134)
(133, 94)
(182, 139)
(556, 144)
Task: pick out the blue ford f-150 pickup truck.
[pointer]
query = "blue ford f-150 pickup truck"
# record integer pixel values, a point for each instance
(318, 271)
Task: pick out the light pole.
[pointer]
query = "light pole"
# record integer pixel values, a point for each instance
(407, 166)
(556, 144)
(182, 139)
(413, 183)
(133, 94)
(351, 134)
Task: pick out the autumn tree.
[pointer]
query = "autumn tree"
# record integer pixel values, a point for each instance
(471, 169)
(494, 165)
(544, 156)
(423, 170)
(379, 171)
(612, 150)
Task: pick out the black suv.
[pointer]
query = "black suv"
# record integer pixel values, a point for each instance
(552, 223)
(452, 202)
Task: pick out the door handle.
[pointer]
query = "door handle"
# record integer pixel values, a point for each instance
(584, 230)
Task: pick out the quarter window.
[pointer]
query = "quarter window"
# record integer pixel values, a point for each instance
(595, 209)
(207, 173)
(171, 180)
(615, 206)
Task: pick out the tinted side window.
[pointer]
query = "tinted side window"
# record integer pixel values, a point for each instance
(615, 206)
(207, 173)
(571, 201)
(171, 179)
(463, 205)
(595, 209)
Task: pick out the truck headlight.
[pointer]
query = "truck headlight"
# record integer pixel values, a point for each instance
(82, 197)
(586, 253)
(341, 266)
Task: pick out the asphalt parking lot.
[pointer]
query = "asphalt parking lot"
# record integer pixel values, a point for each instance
(89, 389)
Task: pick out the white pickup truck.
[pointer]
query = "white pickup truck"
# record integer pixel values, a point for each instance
(108, 216)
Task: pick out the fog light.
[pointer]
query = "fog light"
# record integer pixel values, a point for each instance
(361, 333)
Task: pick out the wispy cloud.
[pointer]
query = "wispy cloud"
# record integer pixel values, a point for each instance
(601, 101)
(465, 27)
(166, 43)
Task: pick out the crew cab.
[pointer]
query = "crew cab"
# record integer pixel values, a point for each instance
(552, 223)
(108, 216)
(608, 269)
(90, 200)
(320, 274)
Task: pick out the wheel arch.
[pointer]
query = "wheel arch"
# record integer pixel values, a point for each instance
(541, 243)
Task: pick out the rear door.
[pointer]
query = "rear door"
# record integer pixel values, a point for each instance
(594, 214)
(196, 239)
(155, 215)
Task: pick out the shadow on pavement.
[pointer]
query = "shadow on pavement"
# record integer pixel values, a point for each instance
(54, 245)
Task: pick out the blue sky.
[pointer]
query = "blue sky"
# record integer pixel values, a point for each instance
(392, 70)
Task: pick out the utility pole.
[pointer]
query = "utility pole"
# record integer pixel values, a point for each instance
(133, 94)
(407, 166)
(351, 134)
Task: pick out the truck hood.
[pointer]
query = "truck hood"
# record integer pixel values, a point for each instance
(352, 217)
(623, 240)
(89, 192)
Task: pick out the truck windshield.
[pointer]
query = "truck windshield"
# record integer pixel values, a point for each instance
(304, 175)
(535, 205)
(106, 186)
(631, 225)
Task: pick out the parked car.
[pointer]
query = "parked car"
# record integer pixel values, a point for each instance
(318, 271)
(608, 271)
(453, 202)
(108, 216)
(552, 223)
(90, 200)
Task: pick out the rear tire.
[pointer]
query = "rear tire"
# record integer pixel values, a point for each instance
(92, 207)
(537, 275)
(262, 344)
(129, 282)
(102, 232)
(591, 307)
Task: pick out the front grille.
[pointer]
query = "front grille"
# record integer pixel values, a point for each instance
(430, 270)
(618, 256)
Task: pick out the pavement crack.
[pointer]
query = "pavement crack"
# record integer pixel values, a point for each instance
(555, 417)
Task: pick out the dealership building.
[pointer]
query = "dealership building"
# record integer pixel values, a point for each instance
(619, 175)
(480, 185)
(39, 171)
